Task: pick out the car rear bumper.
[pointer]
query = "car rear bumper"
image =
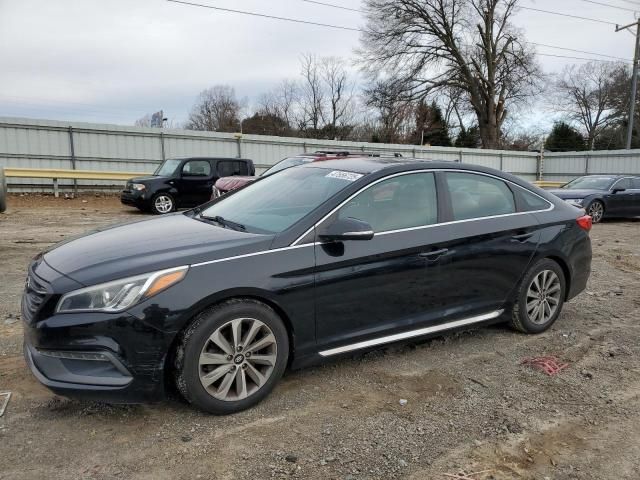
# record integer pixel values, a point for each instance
(580, 259)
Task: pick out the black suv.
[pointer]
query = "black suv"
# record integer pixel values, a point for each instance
(181, 183)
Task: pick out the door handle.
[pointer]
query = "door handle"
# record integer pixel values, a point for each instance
(433, 255)
(522, 237)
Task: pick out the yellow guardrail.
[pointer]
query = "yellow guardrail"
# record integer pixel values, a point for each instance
(545, 184)
(68, 174)
(57, 173)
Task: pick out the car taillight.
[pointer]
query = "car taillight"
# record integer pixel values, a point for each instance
(585, 222)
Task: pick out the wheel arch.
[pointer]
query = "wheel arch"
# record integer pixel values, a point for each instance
(565, 270)
(221, 297)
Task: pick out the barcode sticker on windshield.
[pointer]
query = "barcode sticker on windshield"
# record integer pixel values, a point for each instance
(348, 176)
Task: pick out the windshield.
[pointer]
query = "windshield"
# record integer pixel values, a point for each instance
(590, 183)
(287, 163)
(168, 167)
(277, 202)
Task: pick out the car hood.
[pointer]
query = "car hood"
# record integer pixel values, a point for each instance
(569, 193)
(226, 184)
(148, 178)
(134, 248)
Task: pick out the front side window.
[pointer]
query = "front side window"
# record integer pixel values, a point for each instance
(590, 183)
(197, 168)
(400, 202)
(168, 167)
(275, 203)
(477, 196)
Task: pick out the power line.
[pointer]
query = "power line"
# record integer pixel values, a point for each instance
(273, 17)
(333, 6)
(550, 12)
(609, 5)
(294, 20)
(580, 51)
(579, 58)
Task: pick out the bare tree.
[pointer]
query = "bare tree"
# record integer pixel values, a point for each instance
(143, 121)
(586, 94)
(311, 95)
(281, 102)
(429, 45)
(394, 113)
(339, 93)
(216, 110)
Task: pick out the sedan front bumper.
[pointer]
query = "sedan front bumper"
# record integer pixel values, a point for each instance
(121, 362)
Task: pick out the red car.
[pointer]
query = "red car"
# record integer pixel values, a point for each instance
(227, 184)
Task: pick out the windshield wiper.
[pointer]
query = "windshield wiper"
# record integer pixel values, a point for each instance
(226, 223)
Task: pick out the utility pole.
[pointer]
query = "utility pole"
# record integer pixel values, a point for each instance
(634, 80)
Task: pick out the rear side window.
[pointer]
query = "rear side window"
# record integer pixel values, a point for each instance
(635, 183)
(477, 196)
(229, 168)
(400, 202)
(530, 202)
(623, 184)
(197, 168)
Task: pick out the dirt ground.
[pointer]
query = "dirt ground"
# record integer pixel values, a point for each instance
(471, 405)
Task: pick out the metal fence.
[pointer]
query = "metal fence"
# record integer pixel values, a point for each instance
(31, 143)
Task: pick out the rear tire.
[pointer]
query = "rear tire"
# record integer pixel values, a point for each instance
(231, 356)
(596, 211)
(540, 297)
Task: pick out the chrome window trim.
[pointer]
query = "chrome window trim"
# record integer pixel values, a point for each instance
(319, 222)
(412, 333)
(295, 244)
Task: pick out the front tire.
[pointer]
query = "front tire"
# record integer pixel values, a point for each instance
(540, 297)
(596, 211)
(162, 203)
(231, 356)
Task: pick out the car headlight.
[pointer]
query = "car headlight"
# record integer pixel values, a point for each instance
(138, 186)
(121, 294)
(574, 201)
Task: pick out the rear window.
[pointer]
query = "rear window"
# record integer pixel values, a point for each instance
(229, 168)
(477, 196)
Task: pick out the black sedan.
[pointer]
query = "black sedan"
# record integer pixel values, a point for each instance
(307, 264)
(603, 196)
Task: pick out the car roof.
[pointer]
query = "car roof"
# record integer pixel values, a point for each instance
(210, 158)
(368, 164)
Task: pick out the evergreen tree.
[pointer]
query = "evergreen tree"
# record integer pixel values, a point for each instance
(565, 138)
(431, 129)
(469, 138)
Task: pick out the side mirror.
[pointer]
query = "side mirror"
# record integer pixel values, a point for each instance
(347, 229)
(618, 190)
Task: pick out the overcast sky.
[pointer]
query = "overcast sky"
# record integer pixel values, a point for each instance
(112, 61)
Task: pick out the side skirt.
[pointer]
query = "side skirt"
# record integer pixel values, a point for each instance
(412, 333)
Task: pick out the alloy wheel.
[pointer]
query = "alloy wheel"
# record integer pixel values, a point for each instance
(543, 297)
(237, 359)
(596, 211)
(163, 204)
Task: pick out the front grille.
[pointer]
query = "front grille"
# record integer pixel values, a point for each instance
(34, 297)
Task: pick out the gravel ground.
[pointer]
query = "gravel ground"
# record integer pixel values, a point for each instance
(471, 406)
